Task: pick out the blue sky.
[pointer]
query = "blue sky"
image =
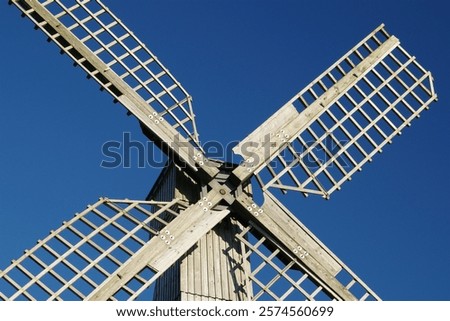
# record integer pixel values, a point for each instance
(241, 61)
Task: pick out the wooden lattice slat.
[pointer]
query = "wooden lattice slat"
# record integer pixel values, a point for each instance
(343, 118)
(123, 53)
(274, 278)
(74, 259)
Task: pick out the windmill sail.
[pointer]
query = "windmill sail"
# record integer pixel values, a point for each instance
(76, 258)
(286, 247)
(89, 33)
(104, 253)
(328, 131)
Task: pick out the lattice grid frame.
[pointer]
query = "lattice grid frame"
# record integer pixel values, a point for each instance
(356, 126)
(277, 275)
(123, 53)
(77, 257)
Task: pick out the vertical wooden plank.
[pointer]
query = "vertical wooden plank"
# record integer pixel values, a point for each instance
(196, 272)
(203, 244)
(210, 266)
(190, 284)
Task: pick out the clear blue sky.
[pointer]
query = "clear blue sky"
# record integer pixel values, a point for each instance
(241, 61)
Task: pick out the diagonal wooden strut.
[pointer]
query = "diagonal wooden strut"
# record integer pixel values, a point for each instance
(164, 133)
(287, 124)
(162, 252)
(337, 123)
(310, 253)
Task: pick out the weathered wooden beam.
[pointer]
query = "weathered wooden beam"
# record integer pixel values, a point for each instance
(173, 241)
(108, 79)
(311, 254)
(285, 126)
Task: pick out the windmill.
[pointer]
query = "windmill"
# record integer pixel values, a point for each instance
(202, 233)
